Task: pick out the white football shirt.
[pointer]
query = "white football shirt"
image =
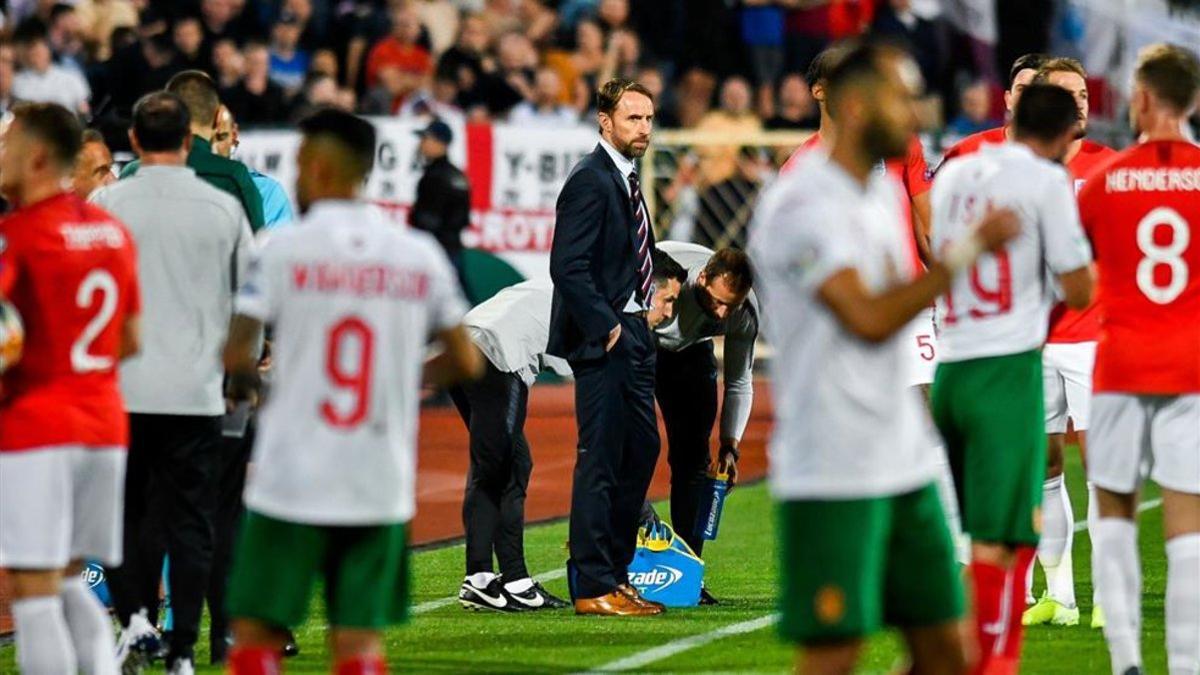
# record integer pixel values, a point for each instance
(1002, 305)
(512, 328)
(353, 299)
(847, 425)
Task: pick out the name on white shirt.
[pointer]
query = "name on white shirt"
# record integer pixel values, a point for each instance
(1153, 180)
(364, 281)
(86, 236)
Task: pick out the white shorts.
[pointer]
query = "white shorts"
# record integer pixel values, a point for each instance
(1067, 383)
(59, 504)
(920, 345)
(1134, 435)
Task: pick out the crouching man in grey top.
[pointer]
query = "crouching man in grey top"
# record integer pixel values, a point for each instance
(512, 329)
(716, 300)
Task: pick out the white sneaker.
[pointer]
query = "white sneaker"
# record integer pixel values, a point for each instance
(182, 667)
(137, 645)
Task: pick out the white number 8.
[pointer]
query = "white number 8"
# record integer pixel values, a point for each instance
(1169, 255)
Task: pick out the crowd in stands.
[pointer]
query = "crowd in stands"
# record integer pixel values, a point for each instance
(712, 63)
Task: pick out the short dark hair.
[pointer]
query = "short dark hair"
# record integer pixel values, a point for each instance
(734, 265)
(198, 92)
(610, 93)
(161, 122)
(59, 9)
(1044, 112)
(1032, 61)
(666, 267)
(1059, 64)
(29, 31)
(53, 125)
(353, 133)
(91, 136)
(1171, 72)
(818, 68)
(858, 60)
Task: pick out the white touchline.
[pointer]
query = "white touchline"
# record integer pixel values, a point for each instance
(430, 605)
(1081, 525)
(684, 644)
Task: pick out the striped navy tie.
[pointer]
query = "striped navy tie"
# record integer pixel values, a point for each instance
(645, 269)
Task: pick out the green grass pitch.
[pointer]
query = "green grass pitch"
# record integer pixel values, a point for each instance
(443, 638)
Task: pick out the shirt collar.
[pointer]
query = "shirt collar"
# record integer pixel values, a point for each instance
(624, 164)
(166, 169)
(346, 210)
(200, 144)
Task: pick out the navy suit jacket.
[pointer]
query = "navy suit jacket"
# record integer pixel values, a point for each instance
(593, 258)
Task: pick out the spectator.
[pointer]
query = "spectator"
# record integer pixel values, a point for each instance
(441, 18)
(797, 110)
(399, 50)
(320, 90)
(580, 69)
(897, 20)
(93, 165)
(464, 60)
(41, 80)
(347, 100)
(65, 36)
(99, 18)
(190, 261)
(622, 55)
(695, 95)
(229, 64)
(612, 15)
(289, 63)
(516, 61)
(544, 110)
(762, 33)
(324, 61)
(539, 21)
(146, 65)
(8, 64)
(651, 78)
(975, 113)
(188, 36)
(256, 99)
(500, 17)
(199, 93)
(719, 163)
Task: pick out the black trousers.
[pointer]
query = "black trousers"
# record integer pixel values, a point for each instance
(686, 387)
(618, 448)
(169, 498)
(493, 408)
(233, 457)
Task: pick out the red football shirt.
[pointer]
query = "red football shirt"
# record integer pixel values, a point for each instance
(70, 269)
(1141, 209)
(912, 172)
(972, 143)
(1079, 325)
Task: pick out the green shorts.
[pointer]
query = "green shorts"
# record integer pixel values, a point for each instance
(366, 571)
(849, 566)
(991, 414)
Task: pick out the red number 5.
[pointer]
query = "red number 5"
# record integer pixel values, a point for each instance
(357, 380)
(926, 347)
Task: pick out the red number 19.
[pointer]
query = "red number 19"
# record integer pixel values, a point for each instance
(357, 380)
(988, 301)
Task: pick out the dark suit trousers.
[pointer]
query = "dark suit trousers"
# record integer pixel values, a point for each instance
(618, 448)
(686, 387)
(234, 456)
(170, 496)
(494, 505)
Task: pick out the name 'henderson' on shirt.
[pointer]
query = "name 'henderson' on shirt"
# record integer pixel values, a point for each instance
(1153, 180)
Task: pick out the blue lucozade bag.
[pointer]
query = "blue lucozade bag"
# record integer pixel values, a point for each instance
(664, 568)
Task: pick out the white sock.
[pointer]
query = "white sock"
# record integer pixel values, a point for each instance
(1093, 517)
(1183, 604)
(1118, 577)
(43, 641)
(91, 629)
(949, 499)
(1029, 599)
(1058, 535)
(481, 579)
(519, 586)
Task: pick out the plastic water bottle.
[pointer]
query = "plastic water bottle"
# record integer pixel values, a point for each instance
(709, 517)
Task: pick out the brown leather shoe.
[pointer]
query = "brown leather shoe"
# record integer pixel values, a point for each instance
(616, 603)
(636, 595)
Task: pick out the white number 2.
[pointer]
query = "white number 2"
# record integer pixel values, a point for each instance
(97, 281)
(1170, 255)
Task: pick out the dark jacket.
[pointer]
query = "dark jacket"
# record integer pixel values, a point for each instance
(443, 205)
(222, 173)
(593, 258)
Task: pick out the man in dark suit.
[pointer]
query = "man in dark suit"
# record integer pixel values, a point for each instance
(601, 268)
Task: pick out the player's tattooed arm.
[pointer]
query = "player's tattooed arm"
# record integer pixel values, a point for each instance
(241, 357)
